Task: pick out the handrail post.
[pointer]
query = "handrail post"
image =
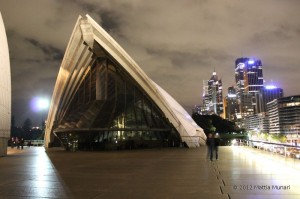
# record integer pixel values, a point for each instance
(284, 151)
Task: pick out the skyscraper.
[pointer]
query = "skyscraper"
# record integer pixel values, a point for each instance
(248, 75)
(249, 81)
(213, 99)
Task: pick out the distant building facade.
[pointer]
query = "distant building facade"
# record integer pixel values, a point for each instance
(257, 122)
(231, 107)
(5, 90)
(284, 116)
(266, 95)
(102, 100)
(199, 109)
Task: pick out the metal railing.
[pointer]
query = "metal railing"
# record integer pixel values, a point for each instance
(33, 142)
(287, 150)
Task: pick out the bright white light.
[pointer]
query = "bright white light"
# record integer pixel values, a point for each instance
(270, 87)
(231, 95)
(240, 66)
(251, 61)
(43, 104)
(233, 142)
(39, 104)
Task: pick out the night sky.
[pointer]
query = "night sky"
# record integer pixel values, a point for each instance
(177, 43)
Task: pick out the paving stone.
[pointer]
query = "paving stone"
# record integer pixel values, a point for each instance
(240, 173)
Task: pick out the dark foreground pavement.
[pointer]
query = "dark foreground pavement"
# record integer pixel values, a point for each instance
(241, 173)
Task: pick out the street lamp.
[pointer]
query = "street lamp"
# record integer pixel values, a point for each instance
(40, 104)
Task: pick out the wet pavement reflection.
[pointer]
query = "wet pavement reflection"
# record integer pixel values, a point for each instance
(240, 173)
(30, 173)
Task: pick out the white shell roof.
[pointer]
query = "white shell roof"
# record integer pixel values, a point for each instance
(5, 85)
(87, 31)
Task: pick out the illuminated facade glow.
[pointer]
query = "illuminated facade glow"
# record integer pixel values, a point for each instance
(231, 107)
(5, 90)
(267, 94)
(270, 87)
(257, 122)
(231, 95)
(284, 115)
(251, 61)
(103, 100)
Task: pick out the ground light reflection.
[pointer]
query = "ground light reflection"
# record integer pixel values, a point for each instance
(38, 178)
(282, 172)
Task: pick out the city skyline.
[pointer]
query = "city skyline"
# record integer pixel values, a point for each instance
(178, 44)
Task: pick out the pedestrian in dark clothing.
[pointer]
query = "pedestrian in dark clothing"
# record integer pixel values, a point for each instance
(12, 142)
(22, 143)
(18, 143)
(217, 144)
(210, 142)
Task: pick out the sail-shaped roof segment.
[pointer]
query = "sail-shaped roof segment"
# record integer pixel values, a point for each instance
(89, 38)
(5, 90)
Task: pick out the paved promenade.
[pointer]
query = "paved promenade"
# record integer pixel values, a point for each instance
(241, 173)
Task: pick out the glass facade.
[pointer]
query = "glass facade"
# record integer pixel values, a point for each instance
(248, 75)
(284, 115)
(213, 98)
(249, 81)
(110, 111)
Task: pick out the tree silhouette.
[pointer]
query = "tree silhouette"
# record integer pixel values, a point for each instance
(214, 123)
(27, 125)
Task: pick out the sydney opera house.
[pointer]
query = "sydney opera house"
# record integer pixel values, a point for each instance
(5, 91)
(102, 100)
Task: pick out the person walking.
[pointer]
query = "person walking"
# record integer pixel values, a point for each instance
(22, 143)
(210, 143)
(217, 144)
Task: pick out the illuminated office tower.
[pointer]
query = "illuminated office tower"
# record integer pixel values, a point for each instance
(212, 99)
(249, 81)
(248, 75)
(205, 99)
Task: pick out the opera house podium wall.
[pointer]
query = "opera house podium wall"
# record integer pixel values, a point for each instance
(102, 100)
(5, 90)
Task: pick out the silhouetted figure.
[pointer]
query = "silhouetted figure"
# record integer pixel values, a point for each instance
(210, 142)
(22, 143)
(29, 143)
(18, 143)
(12, 142)
(217, 144)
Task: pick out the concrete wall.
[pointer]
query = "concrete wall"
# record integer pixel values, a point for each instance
(3, 146)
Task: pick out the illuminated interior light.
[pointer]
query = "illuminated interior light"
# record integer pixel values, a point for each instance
(251, 61)
(270, 87)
